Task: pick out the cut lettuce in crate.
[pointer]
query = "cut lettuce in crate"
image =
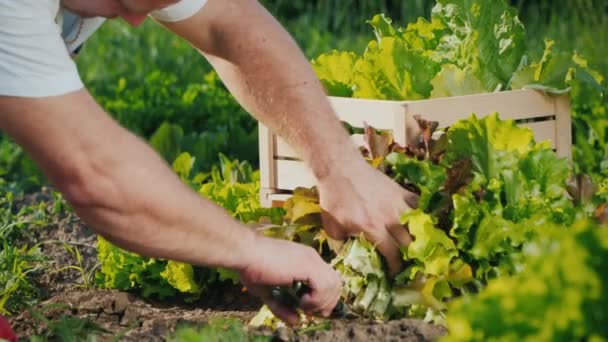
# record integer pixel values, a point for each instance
(472, 47)
(483, 194)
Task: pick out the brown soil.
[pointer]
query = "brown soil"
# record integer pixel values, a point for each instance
(138, 319)
(63, 229)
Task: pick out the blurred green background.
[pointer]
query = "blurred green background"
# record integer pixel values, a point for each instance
(147, 78)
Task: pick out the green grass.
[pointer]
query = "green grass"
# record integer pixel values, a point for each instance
(19, 263)
(65, 328)
(219, 330)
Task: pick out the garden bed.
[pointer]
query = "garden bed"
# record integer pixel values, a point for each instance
(133, 318)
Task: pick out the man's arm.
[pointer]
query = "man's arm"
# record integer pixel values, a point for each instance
(119, 185)
(123, 190)
(266, 71)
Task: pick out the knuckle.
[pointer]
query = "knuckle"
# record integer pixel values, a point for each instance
(326, 313)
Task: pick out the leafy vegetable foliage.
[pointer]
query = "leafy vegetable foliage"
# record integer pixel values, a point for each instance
(20, 263)
(233, 185)
(487, 190)
(560, 295)
(217, 330)
(469, 47)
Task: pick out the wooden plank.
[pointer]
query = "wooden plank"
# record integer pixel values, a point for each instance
(517, 104)
(400, 131)
(377, 113)
(563, 127)
(266, 152)
(292, 174)
(266, 197)
(284, 175)
(283, 150)
(543, 130)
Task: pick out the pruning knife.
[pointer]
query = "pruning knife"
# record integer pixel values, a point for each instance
(290, 296)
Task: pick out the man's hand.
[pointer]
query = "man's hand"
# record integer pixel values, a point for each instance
(273, 80)
(359, 199)
(281, 263)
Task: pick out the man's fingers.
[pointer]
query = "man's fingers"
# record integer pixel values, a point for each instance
(311, 304)
(400, 234)
(411, 199)
(332, 227)
(396, 229)
(288, 315)
(314, 303)
(388, 246)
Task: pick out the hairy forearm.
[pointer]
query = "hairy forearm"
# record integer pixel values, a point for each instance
(119, 186)
(268, 74)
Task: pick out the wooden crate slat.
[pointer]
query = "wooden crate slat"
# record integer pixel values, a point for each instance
(519, 104)
(281, 171)
(266, 151)
(379, 114)
(563, 120)
(543, 130)
(292, 174)
(283, 150)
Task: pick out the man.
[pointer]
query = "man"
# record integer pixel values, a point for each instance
(125, 192)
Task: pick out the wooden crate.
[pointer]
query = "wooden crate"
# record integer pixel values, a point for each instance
(548, 116)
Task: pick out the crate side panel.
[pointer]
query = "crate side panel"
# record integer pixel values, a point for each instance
(266, 155)
(563, 127)
(543, 130)
(292, 174)
(376, 113)
(518, 104)
(283, 149)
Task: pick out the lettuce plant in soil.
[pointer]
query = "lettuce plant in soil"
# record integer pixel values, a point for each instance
(495, 206)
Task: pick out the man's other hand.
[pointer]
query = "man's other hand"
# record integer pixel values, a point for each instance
(281, 263)
(359, 199)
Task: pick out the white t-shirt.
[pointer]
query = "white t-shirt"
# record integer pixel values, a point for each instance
(38, 36)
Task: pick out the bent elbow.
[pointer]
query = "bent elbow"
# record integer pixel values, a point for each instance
(84, 187)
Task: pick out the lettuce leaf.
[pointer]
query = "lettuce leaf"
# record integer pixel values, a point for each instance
(390, 70)
(454, 81)
(125, 271)
(487, 36)
(560, 294)
(426, 176)
(488, 143)
(335, 71)
(366, 285)
(431, 246)
(181, 276)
